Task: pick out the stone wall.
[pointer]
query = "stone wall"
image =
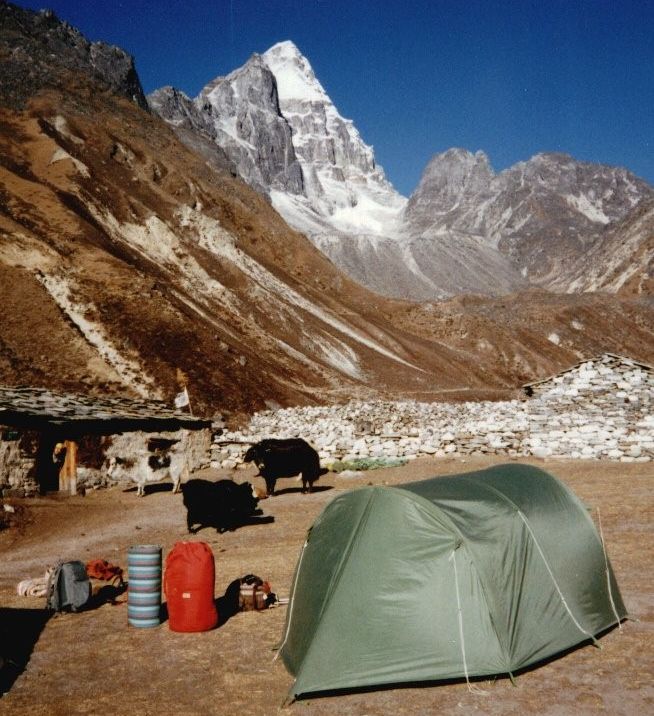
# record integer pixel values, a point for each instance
(17, 458)
(132, 450)
(599, 410)
(18, 451)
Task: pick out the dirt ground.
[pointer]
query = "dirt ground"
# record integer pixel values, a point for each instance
(92, 662)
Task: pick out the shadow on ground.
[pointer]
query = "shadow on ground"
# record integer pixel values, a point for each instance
(152, 488)
(20, 629)
(290, 490)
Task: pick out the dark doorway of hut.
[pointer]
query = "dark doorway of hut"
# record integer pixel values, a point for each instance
(47, 470)
(56, 464)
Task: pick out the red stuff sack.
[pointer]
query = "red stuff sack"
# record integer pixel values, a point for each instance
(189, 587)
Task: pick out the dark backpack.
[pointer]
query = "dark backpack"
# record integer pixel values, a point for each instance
(69, 587)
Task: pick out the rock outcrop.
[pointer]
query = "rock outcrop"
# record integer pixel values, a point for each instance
(240, 114)
(620, 261)
(38, 50)
(345, 189)
(181, 111)
(244, 109)
(451, 182)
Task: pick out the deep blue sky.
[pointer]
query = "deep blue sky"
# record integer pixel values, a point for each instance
(419, 76)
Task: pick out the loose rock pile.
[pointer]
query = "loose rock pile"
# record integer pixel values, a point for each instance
(600, 409)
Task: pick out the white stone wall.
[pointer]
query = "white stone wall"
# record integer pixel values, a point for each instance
(607, 383)
(192, 447)
(600, 410)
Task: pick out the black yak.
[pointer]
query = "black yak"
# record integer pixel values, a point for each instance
(224, 505)
(277, 458)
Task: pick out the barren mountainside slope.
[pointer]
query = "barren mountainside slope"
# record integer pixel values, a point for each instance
(124, 256)
(621, 261)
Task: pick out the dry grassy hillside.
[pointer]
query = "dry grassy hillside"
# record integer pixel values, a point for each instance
(146, 260)
(125, 256)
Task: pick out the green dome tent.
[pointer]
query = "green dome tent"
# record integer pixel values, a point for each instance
(469, 575)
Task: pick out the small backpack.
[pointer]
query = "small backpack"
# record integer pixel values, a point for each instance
(255, 594)
(69, 587)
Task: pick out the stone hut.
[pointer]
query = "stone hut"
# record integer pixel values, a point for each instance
(599, 408)
(53, 441)
(606, 382)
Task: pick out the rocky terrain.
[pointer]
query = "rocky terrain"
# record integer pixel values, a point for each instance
(600, 410)
(620, 261)
(126, 255)
(34, 44)
(542, 215)
(240, 114)
(547, 221)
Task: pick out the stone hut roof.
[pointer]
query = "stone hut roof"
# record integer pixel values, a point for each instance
(39, 408)
(605, 358)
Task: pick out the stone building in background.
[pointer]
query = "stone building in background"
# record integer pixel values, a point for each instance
(53, 441)
(605, 382)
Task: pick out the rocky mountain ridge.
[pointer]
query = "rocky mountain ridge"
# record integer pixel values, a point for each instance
(621, 260)
(38, 43)
(542, 214)
(275, 121)
(465, 229)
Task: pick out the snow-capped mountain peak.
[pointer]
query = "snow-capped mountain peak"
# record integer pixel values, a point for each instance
(285, 137)
(345, 190)
(295, 77)
(243, 111)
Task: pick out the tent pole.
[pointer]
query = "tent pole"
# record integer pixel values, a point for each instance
(606, 565)
(292, 602)
(471, 687)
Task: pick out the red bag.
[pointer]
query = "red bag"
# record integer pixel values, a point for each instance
(101, 569)
(189, 587)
